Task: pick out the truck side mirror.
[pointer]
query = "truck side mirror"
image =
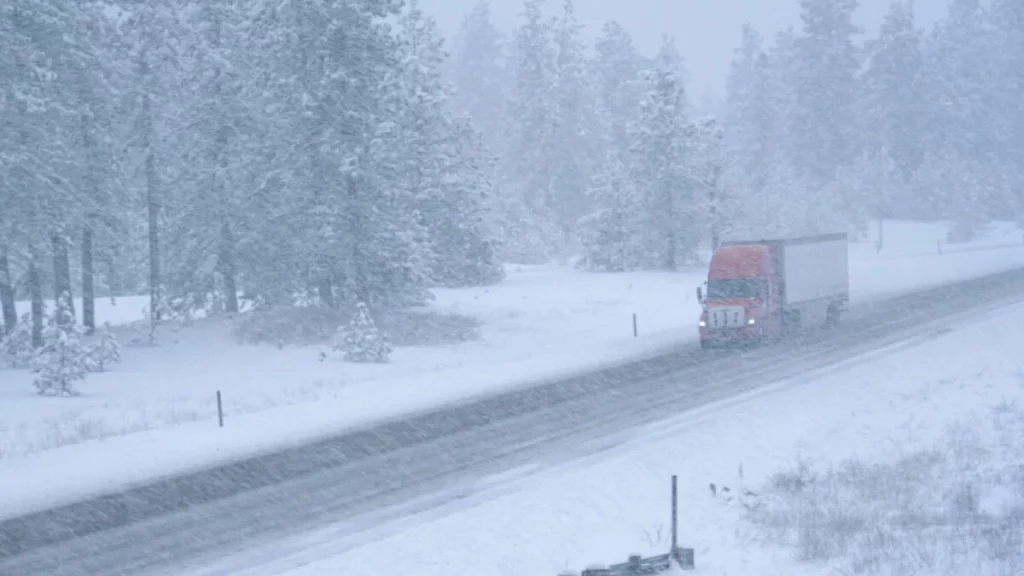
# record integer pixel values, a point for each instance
(700, 295)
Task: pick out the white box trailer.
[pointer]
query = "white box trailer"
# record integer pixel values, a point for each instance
(815, 268)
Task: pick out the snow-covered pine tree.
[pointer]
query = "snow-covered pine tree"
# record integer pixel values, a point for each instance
(827, 90)
(62, 360)
(284, 242)
(465, 245)
(609, 236)
(35, 148)
(360, 340)
(16, 347)
(893, 104)
(440, 162)
(478, 72)
(825, 132)
(575, 146)
(152, 31)
(707, 163)
(1007, 18)
(105, 351)
(753, 130)
(217, 145)
(531, 227)
(672, 213)
(615, 70)
(963, 122)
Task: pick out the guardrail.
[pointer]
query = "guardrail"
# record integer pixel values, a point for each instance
(639, 566)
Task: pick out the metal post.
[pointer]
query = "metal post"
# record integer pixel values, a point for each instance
(220, 411)
(675, 515)
(634, 325)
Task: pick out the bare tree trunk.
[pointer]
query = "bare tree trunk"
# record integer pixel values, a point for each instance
(227, 269)
(227, 238)
(326, 291)
(92, 189)
(7, 308)
(88, 282)
(35, 288)
(62, 271)
(152, 202)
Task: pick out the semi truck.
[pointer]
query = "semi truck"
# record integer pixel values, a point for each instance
(766, 289)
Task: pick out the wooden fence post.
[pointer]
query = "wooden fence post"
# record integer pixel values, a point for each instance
(220, 411)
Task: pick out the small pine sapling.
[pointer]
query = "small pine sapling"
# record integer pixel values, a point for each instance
(62, 360)
(16, 347)
(105, 351)
(360, 340)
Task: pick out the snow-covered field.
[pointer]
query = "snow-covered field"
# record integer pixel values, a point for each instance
(906, 461)
(155, 413)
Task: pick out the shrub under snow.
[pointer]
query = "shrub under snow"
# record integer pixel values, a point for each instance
(105, 351)
(955, 509)
(360, 340)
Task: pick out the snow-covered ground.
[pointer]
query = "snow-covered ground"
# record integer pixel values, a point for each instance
(155, 413)
(910, 459)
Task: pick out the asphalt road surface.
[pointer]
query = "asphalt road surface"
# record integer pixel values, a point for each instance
(191, 521)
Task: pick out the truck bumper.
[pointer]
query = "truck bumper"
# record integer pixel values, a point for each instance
(710, 337)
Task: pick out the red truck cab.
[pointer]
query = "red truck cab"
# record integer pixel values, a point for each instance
(739, 304)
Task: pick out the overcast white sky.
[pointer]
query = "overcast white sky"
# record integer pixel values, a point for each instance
(706, 31)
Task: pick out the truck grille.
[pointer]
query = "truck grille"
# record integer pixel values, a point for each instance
(730, 317)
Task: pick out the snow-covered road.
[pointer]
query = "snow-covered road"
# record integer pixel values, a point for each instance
(404, 467)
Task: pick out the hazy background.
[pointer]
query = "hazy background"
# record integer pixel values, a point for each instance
(707, 31)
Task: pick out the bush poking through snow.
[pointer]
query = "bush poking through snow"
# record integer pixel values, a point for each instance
(360, 341)
(956, 509)
(62, 360)
(16, 347)
(105, 351)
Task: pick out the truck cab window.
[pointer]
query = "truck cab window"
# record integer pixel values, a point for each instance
(736, 288)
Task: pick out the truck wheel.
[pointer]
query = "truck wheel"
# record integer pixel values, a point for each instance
(705, 344)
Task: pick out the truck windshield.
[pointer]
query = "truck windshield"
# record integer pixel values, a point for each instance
(735, 288)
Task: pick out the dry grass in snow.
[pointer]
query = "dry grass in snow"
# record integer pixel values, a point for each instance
(954, 509)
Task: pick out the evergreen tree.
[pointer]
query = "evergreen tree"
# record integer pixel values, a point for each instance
(574, 148)
(442, 173)
(1007, 18)
(16, 347)
(707, 164)
(825, 129)
(616, 72)
(478, 73)
(962, 139)
(464, 242)
(105, 351)
(360, 340)
(671, 221)
(529, 198)
(609, 236)
(892, 86)
(62, 361)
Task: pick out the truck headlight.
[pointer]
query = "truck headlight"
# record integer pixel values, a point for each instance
(750, 322)
(702, 324)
